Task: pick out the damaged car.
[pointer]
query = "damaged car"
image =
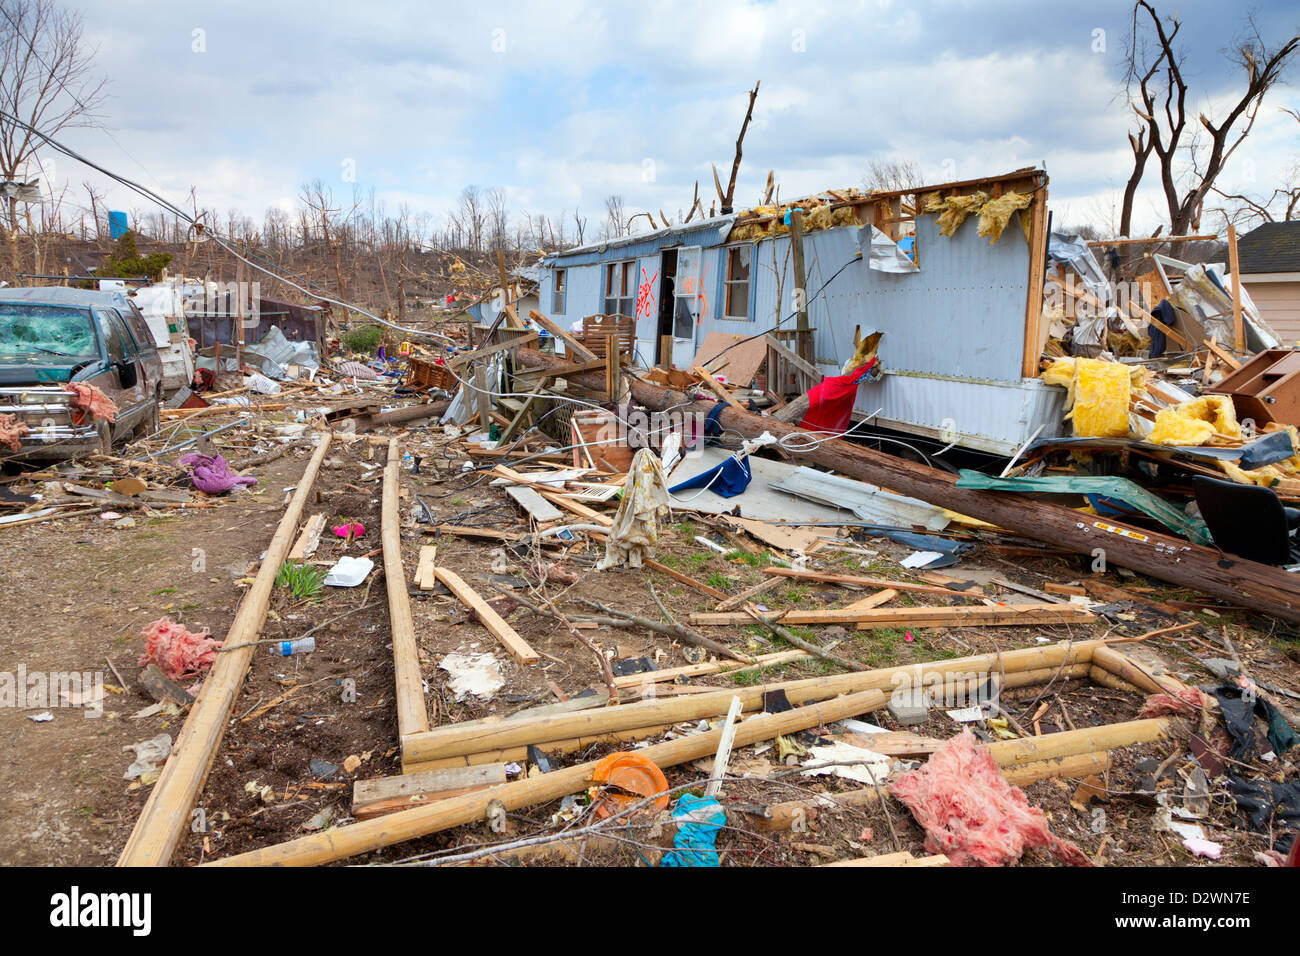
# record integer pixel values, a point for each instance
(54, 339)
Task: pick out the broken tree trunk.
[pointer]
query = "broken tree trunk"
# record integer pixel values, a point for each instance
(1176, 560)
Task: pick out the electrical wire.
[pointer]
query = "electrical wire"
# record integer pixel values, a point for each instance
(204, 231)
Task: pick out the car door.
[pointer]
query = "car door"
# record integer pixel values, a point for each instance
(122, 351)
(151, 365)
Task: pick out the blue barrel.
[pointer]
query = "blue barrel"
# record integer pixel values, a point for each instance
(117, 224)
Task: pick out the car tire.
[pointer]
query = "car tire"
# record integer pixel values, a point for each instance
(152, 422)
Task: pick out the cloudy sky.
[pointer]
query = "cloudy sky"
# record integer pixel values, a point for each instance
(562, 103)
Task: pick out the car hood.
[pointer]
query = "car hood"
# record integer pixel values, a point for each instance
(47, 373)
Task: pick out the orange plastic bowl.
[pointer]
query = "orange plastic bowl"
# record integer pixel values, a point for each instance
(638, 777)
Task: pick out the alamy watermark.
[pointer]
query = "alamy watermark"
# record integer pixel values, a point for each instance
(42, 690)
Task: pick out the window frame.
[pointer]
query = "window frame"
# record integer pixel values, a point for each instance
(559, 290)
(623, 302)
(728, 284)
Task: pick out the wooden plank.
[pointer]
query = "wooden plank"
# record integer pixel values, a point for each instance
(424, 569)
(166, 814)
(491, 534)
(874, 600)
(710, 667)
(685, 579)
(901, 858)
(1002, 615)
(489, 618)
(748, 594)
(580, 350)
(1067, 590)
(1035, 330)
(412, 710)
(465, 357)
(537, 507)
(308, 541)
(380, 795)
(866, 582)
(1222, 354)
(1238, 327)
(716, 387)
(793, 357)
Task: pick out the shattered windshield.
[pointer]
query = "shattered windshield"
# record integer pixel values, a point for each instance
(43, 333)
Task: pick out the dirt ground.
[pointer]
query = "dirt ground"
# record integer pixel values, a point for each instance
(300, 737)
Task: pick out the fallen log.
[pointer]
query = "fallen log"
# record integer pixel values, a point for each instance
(477, 736)
(1257, 586)
(363, 836)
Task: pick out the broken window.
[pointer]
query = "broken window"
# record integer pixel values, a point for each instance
(620, 288)
(736, 305)
(37, 332)
(557, 296)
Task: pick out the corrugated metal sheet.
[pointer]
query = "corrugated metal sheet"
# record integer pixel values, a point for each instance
(954, 330)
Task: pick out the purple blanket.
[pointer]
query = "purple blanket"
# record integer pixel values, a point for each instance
(211, 474)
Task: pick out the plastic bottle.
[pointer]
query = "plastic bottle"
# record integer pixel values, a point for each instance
(285, 648)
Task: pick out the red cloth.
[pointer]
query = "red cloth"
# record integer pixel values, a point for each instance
(1189, 702)
(830, 404)
(970, 812)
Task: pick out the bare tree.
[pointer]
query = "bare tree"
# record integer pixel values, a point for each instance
(615, 217)
(1190, 159)
(47, 81)
(891, 175)
(1282, 205)
(579, 223)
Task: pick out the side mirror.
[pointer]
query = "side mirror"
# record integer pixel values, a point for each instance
(126, 374)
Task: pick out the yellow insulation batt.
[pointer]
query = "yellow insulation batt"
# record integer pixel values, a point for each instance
(1098, 394)
(954, 210)
(1197, 422)
(996, 213)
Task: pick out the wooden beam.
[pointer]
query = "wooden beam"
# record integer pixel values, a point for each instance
(716, 387)
(803, 574)
(454, 739)
(309, 539)
(584, 353)
(424, 569)
(1034, 340)
(380, 795)
(412, 710)
(366, 835)
(489, 618)
(1238, 327)
(463, 358)
(794, 358)
(1002, 615)
(166, 814)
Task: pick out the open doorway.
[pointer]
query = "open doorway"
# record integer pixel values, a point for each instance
(667, 287)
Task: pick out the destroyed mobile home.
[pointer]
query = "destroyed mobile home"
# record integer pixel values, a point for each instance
(657, 590)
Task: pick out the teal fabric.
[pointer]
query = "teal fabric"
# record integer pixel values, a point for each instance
(698, 821)
(1173, 518)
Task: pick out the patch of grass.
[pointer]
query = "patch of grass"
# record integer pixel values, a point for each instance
(760, 560)
(303, 581)
(686, 528)
(882, 643)
(718, 580)
(162, 591)
(364, 339)
(699, 561)
(795, 594)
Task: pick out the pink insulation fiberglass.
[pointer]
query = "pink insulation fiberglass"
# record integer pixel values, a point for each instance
(177, 652)
(87, 396)
(971, 814)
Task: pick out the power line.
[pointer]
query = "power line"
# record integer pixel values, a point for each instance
(215, 236)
